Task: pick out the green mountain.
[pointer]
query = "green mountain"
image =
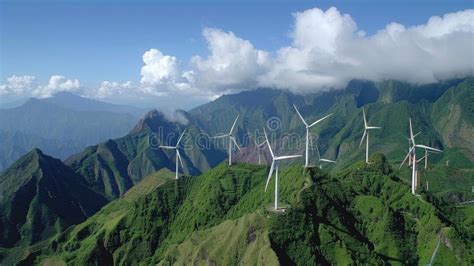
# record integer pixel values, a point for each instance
(40, 197)
(58, 129)
(364, 214)
(114, 166)
(442, 111)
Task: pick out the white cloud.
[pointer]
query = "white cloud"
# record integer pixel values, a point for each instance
(18, 85)
(28, 86)
(112, 88)
(56, 84)
(233, 63)
(159, 69)
(327, 51)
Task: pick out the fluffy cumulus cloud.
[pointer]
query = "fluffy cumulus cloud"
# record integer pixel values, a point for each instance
(28, 86)
(233, 63)
(159, 69)
(57, 84)
(18, 85)
(326, 51)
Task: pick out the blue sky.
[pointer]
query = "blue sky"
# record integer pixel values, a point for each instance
(96, 41)
(104, 40)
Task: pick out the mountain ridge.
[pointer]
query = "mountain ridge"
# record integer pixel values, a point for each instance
(41, 196)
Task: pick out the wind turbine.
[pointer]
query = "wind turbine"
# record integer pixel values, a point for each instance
(306, 162)
(412, 153)
(366, 133)
(178, 156)
(409, 146)
(425, 157)
(259, 149)
(322, 159)
(231, 139)
(275, 164)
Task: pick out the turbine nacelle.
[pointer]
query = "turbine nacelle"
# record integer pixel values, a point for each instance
(275, 160)
(307, 132)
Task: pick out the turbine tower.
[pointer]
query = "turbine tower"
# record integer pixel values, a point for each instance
(366, 134)
(275, 164)
(306, 162)
(231, 139)
(412, 153)
(259, 148)
(178, 156)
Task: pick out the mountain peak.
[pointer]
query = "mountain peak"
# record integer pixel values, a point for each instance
(47, 189)
(37, 151)
(152, 120)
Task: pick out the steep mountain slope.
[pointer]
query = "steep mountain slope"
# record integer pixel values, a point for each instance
(441, 111)
(59, 131)
(364, 215)
(114, 166)
(39, 197)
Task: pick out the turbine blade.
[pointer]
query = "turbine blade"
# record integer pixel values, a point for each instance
(411, 132)
(179, 157)
(373, 127)
(317, 150)
(180, 137)
(269, 175)
(417, 134)
(233, 125)
(220, 136)
(363, 136)
(320, 120)
(406, 157)
(235, 143)
(365, 119)
(298, 112)
(421, 159)
(168, 147)
(278, 158)
(328, 161)
(268, 143)
(428, 148)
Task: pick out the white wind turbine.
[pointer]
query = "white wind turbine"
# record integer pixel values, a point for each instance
(275, 163)
(306, 162)
(409, 146)
(231, 139)
(425, 157)
(178, 156)
(322, 159)
(259, 148)
(412, 153)
(366, 133)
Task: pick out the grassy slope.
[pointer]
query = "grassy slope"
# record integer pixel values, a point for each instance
(343, 219)
(41, 197)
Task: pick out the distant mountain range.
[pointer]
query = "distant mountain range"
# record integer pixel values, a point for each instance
(61, 125)
(151, 218)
